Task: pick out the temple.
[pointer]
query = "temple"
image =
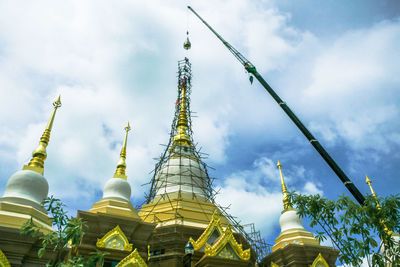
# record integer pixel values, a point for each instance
(179, 210)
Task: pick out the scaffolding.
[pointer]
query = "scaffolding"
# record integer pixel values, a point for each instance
(180, 169)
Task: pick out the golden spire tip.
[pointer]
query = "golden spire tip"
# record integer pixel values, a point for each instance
(40, 154)
(367, 180)
(128, 127)
(121, 165)
(286, 203)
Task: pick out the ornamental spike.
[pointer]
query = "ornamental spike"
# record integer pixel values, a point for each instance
(40, 154)
(121, 165)
(286, 202)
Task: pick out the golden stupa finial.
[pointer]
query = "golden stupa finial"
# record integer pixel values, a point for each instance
(286, 202)
(182, 125)
(39, 155)
(369, 182)
(121, 165)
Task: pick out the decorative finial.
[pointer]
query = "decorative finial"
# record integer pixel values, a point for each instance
(368, 181)
(187, 45)
(121, 165)
(39, 155)
(286, 203)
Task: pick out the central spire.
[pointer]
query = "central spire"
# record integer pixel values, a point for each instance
(39, 155)
(180, 172)
(182, 136)
(182, 140)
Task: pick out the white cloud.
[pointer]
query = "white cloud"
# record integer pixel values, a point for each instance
(311, 189)
(353, 94)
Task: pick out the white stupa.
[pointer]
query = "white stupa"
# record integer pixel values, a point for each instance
(292, 230)
(117, 191)
(27, 188)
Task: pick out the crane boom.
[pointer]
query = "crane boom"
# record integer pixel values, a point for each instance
(314, 142)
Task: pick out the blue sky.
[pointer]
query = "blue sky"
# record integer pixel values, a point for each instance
(335, 63)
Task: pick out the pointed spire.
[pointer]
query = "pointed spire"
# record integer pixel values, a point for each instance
(286, 203)
(368, 181)
(121, 165)
(182, 135)
(39, 155)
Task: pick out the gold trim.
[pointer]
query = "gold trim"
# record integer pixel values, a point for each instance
(115, 233)
(3, 260)
(224, 238)
(227, 237)
(215, 224)
(319, 259)
(273, 264)
(132, 260)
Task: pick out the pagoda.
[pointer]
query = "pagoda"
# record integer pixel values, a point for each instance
(295, 246)
(181, 200)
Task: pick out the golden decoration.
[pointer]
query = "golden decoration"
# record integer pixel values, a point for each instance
(219, 247)
(132, 260)
(227, 238)
(121, 165)
(286, 202)
(182, 135)
(115, 239)
(273, 264)
(215, 224)
(39, 155)
(3, 260)
(226, 254)
(369, 182)
(319, 262)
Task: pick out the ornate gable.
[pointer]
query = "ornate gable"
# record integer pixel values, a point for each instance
(114, 239)
(132, 260)
(226, 245)
(319, 262)
(222, 246)
(213, 227)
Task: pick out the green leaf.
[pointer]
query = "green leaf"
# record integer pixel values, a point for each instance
(41, 252)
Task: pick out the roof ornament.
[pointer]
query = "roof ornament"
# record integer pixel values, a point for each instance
(369, 182)
(286, 202)
(121, 165)
(187, 45)
(39, 155)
